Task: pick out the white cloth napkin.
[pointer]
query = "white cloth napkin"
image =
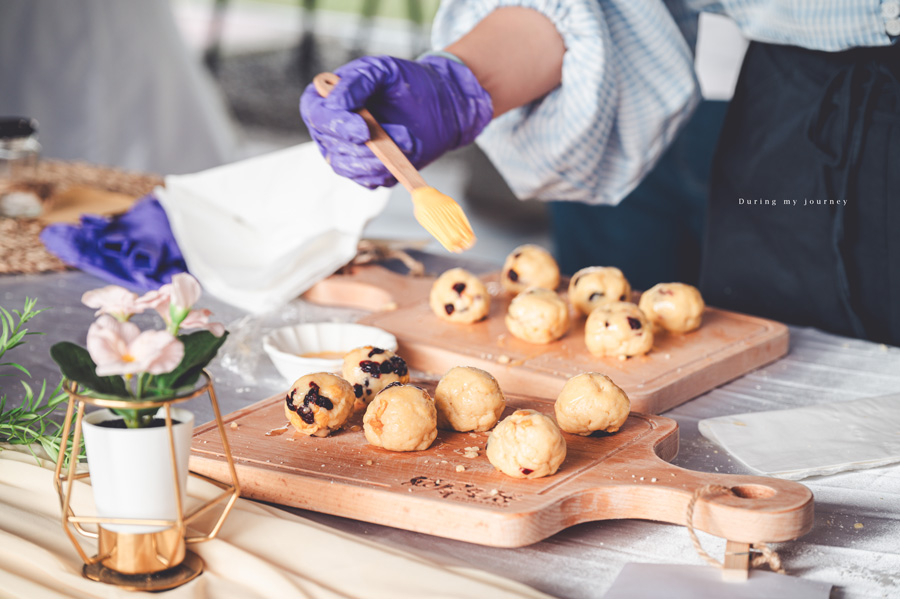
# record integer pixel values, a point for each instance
(812, 441)
(259, 232)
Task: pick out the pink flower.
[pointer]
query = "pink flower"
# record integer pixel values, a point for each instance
(199, 319)
(113, 300)
(173, 301)
(183, 291)
(121, 348)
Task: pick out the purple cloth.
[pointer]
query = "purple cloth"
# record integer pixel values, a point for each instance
(428, 107)
(136, 249)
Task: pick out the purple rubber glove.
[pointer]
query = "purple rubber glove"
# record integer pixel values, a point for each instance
(428, 107)
(136, 249)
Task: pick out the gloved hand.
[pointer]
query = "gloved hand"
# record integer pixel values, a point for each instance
(135, 249)
(428, 107)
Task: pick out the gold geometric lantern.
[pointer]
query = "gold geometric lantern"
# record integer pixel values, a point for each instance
(157, 559)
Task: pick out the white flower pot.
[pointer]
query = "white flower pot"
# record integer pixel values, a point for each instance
(131, 469)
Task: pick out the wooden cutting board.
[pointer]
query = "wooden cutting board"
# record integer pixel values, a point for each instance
(603, 477)
(679, 368)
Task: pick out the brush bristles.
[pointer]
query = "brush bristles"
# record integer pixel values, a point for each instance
(448, 224)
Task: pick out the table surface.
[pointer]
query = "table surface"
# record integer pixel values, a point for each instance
(853, 544)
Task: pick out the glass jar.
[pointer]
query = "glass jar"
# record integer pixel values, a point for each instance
(19, 147)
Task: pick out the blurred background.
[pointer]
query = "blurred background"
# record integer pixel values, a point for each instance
(179, 86)
(261, 54)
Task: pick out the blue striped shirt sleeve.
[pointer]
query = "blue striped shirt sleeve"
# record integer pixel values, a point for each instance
(627, 85)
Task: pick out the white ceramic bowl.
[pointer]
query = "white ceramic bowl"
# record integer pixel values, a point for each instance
(320, 346)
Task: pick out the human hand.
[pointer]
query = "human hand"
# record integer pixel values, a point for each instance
(428, 107)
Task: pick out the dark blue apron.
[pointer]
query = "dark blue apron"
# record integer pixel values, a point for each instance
(804, 215)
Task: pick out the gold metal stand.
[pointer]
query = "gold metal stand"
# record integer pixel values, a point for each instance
(152, 561)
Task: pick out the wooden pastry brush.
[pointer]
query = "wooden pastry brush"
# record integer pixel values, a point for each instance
(438, 213)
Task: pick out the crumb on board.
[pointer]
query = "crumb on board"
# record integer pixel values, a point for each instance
(354, 428)
(503, 359)
(368, 462)
(389, 307)
(460, 468)
(858, 525)
(493, 492)
(234, 424)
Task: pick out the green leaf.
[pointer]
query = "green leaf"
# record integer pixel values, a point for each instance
(76, 365)
(199, 350)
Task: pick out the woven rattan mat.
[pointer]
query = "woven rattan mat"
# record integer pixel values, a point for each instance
(21, 250)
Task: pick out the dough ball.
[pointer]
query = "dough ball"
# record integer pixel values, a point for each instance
(459, 296)
(597, 285)
(591, 402)
(618, 329)
(401, 418)
(529, 266)
(319, 403)
(370, 369)
(468, 399)
(675, 307)
(526, 444)
(538, 315)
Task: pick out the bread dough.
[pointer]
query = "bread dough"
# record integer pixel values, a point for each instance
(370, 369)
(591, 402)
(597, 285)
(319, 403)
(675, 307)
(401, 418)
(526, 444)
(538, 315)
(618, 329)
(459, 296)
(529, 266)
(468, 399)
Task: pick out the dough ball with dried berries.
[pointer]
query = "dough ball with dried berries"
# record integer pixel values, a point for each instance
(319, 403)
(401, 418)
(591, 402)
(538, 316)
(526, 444)
(468, 399)
(459, 296)
(675, 307)
(370, 369)
(529, 266)
(618, 329)
(597, 285)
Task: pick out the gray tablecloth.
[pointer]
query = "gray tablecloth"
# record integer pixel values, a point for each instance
(854, 545)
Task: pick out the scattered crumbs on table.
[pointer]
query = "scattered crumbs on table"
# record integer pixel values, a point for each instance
(437, 482)
(493, 492)
(368, 462)
(234, 424)
(642, 478)
(858, 525)
(503, 359)
(461, 468)
(654, 479)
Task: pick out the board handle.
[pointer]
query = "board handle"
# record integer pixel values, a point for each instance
(754, 509)
(372, 288)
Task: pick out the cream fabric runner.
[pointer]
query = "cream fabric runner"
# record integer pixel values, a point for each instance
(261, 552)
